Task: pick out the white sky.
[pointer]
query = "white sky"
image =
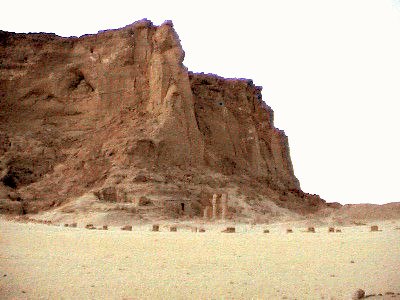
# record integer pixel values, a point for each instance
(330, 71)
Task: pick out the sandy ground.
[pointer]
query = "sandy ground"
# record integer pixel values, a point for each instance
(39, 261)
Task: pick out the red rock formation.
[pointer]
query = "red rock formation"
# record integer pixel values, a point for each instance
(118, 114)
(238, 130)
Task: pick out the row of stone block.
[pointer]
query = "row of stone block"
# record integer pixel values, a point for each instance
(156, 228)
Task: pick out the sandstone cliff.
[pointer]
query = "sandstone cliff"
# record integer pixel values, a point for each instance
(118, 116)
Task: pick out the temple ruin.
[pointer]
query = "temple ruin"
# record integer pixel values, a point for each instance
(218, 208)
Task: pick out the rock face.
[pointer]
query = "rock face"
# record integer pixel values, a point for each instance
(238, 130)
(117, 114)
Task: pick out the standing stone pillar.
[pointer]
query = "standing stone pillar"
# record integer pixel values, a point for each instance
(206, 212)
(224, 206)
(214, 206)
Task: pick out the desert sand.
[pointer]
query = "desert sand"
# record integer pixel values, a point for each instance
(39, 261)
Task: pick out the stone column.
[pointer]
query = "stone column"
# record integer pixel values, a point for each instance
(214, 206)
(206, 212)
(224, 206)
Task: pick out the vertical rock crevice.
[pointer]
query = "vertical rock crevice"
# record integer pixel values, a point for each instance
(171, 100)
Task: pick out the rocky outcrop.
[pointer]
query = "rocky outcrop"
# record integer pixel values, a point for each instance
(238, 130)
(118, 114)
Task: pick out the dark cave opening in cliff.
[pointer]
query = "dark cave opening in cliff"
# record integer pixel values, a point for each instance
(10, 181)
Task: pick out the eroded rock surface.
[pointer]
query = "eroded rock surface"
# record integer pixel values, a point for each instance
(117, 114)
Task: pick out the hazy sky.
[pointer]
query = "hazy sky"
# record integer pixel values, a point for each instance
(330, 71)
